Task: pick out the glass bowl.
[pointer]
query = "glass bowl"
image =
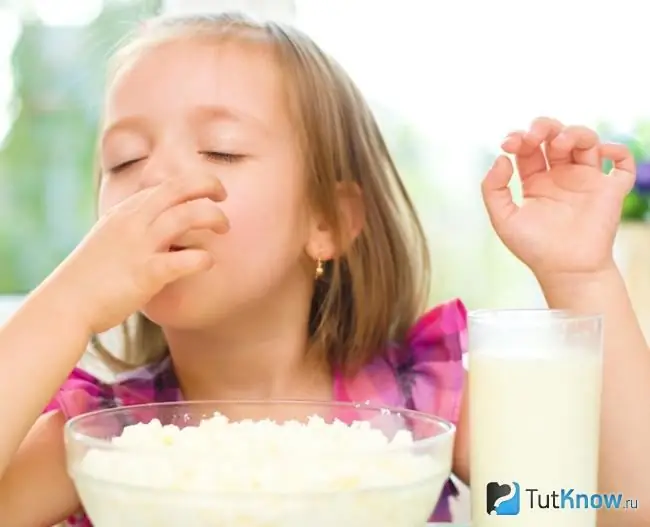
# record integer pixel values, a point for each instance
(348, 485)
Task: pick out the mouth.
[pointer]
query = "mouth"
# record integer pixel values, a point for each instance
(176, 248)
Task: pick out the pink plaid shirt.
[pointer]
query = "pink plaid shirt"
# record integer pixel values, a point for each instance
(425, 374)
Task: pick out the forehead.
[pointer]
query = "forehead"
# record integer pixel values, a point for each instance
(172, 78)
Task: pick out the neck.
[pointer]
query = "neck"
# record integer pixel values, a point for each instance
(258, 353)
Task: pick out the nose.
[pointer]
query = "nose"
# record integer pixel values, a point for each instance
(166, 163)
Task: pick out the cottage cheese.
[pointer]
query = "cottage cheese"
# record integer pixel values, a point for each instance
(260, 474)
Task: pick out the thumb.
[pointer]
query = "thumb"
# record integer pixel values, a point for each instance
(623, 178)
(165, 268)
(496, 193)
(624, 171)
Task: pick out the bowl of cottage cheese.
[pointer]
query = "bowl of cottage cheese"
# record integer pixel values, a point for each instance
(258, 464)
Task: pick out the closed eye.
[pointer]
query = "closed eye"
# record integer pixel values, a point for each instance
(123, 166)
(223, 157)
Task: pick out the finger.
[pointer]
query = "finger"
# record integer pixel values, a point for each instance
(133, 202)
(620, 156)
(527, 151)
(196, 214)
(496, 193)
(513, 142)
(545, 130)
(175, 191)
(575, 144)
(165, 268)
(624, 170)
(527, 146)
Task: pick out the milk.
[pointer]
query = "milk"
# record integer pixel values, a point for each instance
(534, 420)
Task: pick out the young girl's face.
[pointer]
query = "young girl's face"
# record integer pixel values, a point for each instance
(164, 111)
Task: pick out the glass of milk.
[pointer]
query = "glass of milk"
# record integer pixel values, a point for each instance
(534, 398)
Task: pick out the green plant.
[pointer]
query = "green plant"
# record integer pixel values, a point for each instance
(636, 206)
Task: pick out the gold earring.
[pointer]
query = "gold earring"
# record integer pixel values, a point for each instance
(319, 268)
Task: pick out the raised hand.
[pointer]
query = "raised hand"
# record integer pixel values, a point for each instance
(571, 209)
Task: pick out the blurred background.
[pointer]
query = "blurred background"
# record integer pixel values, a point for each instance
(447, 80)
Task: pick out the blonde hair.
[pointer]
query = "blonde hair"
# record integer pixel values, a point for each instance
(373, 292)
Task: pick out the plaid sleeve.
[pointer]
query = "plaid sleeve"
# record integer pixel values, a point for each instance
(81, 393)
(433, 361)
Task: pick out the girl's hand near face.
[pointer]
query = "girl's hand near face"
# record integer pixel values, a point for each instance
(129, 255)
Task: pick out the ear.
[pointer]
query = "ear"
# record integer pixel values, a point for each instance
(322, 240)
(353, 211)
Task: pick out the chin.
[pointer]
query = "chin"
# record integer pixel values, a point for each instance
(179, 306)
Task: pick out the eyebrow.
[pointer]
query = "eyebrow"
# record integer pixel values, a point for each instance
(132, 123)
(224, 113)
(199, 114)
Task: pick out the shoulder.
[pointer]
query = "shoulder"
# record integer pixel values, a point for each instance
(441, 333)
(424, 373)
(83, 392)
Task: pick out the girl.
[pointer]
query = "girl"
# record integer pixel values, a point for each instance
(251, 215)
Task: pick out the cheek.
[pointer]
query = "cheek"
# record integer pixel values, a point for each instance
(111, 194)
(268, 221)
